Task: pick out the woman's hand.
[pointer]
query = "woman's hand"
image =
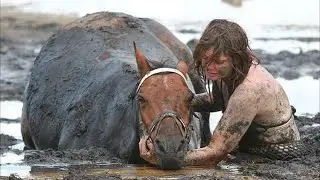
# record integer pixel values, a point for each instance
(202, 156)
(147, 150)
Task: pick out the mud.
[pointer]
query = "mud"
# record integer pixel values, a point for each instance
(6, 142)
(21, 37)
(97, 163)
(49, 156)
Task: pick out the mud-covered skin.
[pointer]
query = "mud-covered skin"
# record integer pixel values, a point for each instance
(83, 82)
(254, 141)
(259, 99)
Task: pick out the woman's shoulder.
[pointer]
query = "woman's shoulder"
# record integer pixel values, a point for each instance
(258, 75)
(258, 80)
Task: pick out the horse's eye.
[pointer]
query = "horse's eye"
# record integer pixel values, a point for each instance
(141, 99)
(190, 98)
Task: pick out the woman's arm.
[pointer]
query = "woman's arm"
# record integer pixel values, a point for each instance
(240, 112)
(204, 103)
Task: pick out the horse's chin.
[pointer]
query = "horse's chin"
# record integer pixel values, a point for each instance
(170, 162)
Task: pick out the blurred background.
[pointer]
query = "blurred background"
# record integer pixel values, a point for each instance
(284, 33)
(272, 25)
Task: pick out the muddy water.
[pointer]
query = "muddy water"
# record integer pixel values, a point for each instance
(12, 162)
(128, 171)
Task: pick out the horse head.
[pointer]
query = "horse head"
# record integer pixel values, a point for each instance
(163, 98)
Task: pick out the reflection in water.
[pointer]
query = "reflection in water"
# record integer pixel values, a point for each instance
(123, 170)
(133, 171)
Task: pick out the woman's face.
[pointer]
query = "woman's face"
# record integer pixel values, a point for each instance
(215, 67)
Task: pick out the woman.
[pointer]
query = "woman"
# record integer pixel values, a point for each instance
(256, 110)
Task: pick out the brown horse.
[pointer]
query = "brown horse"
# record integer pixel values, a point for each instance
(164, 96)
(91, 87)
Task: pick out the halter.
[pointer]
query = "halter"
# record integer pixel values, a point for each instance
(165, 70)
(184, 130)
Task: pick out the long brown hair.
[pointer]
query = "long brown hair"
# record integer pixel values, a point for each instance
(229, 38)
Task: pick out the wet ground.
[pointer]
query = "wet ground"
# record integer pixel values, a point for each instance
(21, 41)
(97, 163)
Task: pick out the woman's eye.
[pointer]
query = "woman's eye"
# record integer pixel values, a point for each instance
(219, 62)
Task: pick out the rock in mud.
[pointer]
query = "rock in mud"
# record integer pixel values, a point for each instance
(6, 141)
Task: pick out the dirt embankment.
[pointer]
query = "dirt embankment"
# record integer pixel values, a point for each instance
(22, 36)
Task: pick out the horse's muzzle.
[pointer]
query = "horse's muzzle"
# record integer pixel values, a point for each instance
(170, 152)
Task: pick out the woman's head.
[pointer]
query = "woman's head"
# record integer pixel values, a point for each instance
(223, 52)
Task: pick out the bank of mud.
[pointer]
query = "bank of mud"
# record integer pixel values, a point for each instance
(22, 35)
(21, 40)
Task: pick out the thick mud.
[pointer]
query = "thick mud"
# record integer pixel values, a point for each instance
(6, 142)
(97, 163)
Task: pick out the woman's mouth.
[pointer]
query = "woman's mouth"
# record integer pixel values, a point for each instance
(212, 74)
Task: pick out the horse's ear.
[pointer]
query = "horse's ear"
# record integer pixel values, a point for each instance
(142, 62)
(183, 67)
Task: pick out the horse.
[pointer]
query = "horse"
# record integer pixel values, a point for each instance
(106, 80)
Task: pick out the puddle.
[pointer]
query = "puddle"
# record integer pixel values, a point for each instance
(130, 171)
(20, 170)
(10, 109)
(122, 170)
(12, 129)
(11, 158)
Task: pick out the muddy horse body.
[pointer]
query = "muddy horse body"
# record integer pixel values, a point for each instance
(81, 90)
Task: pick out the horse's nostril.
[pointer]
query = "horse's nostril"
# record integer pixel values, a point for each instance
(181, 145)
(160, 145)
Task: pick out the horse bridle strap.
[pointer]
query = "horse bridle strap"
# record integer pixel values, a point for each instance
(168, 113)
(162, 70)
(173, 115)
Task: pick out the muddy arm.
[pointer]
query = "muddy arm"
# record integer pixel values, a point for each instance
(204, 103)
(241, 110)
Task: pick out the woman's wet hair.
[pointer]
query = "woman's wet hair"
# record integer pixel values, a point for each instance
(230, 39)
